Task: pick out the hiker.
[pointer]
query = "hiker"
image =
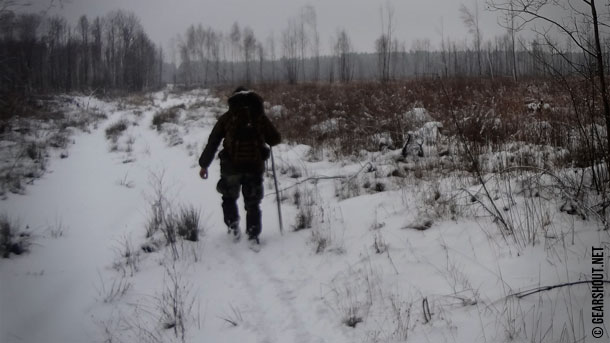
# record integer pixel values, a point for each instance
(248, 135)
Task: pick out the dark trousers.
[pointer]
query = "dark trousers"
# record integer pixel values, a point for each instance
(251, 185)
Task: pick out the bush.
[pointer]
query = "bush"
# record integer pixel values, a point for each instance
(12, 239)
(304, 201)
(304, 218)
(490, 113)
(128, 259)
(175, 303)
(188, 223)
(171, 225)
(184, 224)
(114, 131)
(321, 239)
(169, 115)
(348, 188)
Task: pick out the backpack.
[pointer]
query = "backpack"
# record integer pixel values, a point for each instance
(244, 142)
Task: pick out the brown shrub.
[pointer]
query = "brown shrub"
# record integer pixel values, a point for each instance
(485, 112)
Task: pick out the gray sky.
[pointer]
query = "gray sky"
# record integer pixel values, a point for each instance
(413, 19)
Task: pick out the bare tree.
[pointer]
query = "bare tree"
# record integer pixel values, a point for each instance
(96, 52)
(290, 45)
(580, 23)
(343, 53)
(185, 60)
(383, 44)
(201, 37)
(510, 21)
(83, 67)
(310, 20)
(249, 49)
(470, 17)
(235, 39)
(444, 58)
(303, 38)
(56, 40)
(260, 51)
(394, 58)
(191, 50)
(420, 48)
(213, 46)
(271, 53)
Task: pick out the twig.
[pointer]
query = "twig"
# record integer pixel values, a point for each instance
(426, 310)
(392, 262)
(562, 188)
(317, 178)
(523, 294)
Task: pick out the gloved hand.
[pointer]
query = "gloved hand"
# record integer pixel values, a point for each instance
(203, 173)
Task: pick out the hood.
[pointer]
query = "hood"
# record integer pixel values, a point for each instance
(247, 99)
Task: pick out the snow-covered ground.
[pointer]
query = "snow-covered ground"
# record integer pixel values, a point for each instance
(379, 259)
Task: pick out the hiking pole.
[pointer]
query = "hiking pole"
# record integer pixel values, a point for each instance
(277, 192)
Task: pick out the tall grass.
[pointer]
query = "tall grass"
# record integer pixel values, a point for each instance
(493, 113)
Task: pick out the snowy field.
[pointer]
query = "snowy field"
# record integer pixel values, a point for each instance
(365, 256)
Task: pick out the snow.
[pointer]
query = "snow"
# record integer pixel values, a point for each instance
(275, 111)
(417, 114)
(371, 267)
(327, 126)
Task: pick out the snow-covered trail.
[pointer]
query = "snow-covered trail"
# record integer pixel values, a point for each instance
(54, 293)
(46, 293)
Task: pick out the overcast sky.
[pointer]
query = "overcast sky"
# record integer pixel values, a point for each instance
(413, 19)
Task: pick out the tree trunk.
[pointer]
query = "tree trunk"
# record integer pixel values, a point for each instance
(602, 77)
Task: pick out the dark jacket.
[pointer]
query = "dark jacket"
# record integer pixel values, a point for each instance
(255, 105)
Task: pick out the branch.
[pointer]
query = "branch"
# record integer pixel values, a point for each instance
(525, 10)
(562, 188)
(575, 66)
(317, 178)
(523, 294)
(478, 173)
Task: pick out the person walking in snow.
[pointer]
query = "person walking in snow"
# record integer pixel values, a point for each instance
(247, 135)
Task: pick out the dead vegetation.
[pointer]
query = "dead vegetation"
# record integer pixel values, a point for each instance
(492, 115)
(31, 130)
(460, 126)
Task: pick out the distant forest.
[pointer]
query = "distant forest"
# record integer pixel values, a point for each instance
(40, 53)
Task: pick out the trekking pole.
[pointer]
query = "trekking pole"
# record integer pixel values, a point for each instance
(277, 193)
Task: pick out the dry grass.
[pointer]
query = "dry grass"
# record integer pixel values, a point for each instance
(115, 130)
(13, 239)
(488, 113)
(169, 115)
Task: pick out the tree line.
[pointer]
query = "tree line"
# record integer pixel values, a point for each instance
(114, 52)
(40, 53)
(205, 56)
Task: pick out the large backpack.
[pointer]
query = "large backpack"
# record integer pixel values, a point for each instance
(243, 140)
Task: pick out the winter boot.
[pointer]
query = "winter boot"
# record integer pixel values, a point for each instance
(254, 244)
(234, 230)
(253, 231)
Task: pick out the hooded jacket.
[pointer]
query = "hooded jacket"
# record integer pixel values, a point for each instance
(238, 100)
